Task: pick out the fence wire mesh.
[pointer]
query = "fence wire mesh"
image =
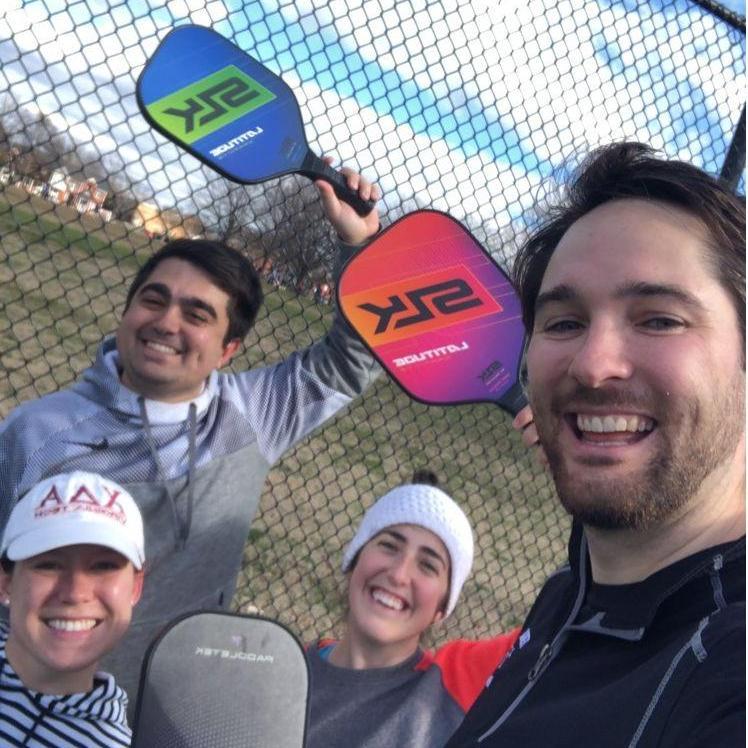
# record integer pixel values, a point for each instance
(468, 106)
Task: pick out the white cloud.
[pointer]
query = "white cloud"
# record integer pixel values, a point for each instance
(533, 82)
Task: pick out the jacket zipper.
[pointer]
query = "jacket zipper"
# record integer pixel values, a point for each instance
(543, 659)
(545, 656)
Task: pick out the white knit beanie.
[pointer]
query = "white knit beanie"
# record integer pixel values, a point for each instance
(425, 506)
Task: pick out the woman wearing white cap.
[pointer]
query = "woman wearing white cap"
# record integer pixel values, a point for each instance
(71, 569)
(376, 687)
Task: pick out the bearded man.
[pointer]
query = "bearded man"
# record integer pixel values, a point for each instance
(633, 294)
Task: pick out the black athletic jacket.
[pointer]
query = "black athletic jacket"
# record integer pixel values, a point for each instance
(655, 663)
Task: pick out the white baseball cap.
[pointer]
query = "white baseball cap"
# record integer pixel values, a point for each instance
(425, 506)
(71, 509)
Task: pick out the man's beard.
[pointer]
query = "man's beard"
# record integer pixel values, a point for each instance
(693, 439)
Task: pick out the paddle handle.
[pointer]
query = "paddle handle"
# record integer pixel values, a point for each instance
(314, 167)
(513, 399)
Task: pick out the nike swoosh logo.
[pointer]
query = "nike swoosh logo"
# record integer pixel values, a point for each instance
(97, 446)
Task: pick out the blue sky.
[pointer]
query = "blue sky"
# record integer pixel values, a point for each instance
(737, 6)
(462, 105)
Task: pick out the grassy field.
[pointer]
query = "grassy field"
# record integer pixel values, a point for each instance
(64, 281)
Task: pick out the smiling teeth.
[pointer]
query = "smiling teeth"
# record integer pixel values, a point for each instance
(389, 601)
(613, 424)
(161, 347)
(64, 624)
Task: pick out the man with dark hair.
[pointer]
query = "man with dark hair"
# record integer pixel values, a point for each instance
(191, 445)
(229, 270)
(633, 293)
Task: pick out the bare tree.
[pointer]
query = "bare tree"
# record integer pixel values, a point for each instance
(7, 114)
(279, 224)
(122, 198)
(227, 213)
(295, 235)
(34, 143)
(51, 145)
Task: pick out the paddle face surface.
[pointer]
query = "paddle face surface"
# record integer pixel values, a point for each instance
(437, 312)
(218, 680)
(222, 105)
(230, 111)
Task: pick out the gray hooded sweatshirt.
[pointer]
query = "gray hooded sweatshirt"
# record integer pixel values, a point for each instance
(196, 469)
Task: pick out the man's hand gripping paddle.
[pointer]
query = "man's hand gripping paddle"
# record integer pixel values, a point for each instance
(437, 312)
(230, 111)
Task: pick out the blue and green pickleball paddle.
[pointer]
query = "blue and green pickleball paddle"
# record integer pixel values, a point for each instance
(230, 111)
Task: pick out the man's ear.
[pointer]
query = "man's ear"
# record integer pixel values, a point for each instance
(137, 589)
(228, 352)
(438, 616)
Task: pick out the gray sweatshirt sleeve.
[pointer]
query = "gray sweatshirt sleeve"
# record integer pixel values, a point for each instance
(340, 359)
(287, 401)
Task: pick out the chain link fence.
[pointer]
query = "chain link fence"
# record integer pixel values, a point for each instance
(468, 106)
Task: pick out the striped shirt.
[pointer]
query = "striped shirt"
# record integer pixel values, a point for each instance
(95, 719)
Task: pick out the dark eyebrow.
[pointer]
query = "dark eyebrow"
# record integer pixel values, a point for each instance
(424, 548)
(631, 289)
(394, 533)
(642, 288)
(194, 303)
(558, 293)
(190, 302)
(160, 288)
(433, 554)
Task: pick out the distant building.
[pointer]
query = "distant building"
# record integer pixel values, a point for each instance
(58, 186)
(168, 223)
(31, 185)
(85, 196)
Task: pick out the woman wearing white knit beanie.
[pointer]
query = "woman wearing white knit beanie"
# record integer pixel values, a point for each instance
(376, 687)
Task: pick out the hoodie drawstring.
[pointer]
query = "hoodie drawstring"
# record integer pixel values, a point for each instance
(182, 526)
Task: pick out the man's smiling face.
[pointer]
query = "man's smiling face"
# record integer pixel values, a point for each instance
(171, 337)
(634, 365)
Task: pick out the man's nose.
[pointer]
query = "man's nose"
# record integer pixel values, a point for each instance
(603, 354)
(169, 319)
